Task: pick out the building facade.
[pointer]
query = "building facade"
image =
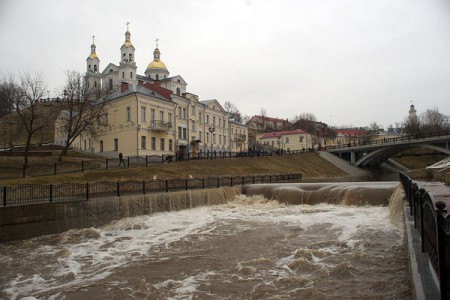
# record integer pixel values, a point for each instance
(152, 114)
(288, 140)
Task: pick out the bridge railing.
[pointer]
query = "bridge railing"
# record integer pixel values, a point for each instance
(401, 139)
(433, 223)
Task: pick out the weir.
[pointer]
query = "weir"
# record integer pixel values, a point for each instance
(28, 221)
(248, 247)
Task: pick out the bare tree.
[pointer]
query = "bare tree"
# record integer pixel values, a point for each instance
(411, 126)
(327, 133)
(433, 121)
(25, 102)
(7, 91)
(82, 115)
(233, 110)
(305, 116)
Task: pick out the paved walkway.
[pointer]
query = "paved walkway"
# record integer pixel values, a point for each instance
(439, 190)
(342, 164)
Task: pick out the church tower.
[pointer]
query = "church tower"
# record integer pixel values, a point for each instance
(127, 67)
(156, 69)
(412, 114)
(93, 76)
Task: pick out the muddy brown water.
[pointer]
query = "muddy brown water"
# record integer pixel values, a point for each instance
(251, 248)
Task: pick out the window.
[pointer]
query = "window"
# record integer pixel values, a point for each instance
(157, 76)
(110, 84)
(101, 146)
(95, 84)
(178, 91)
(207, 137)
(207, 119)
(184, 133)
(161, 144)
(287, 140)
(224, 140)
(179, 112)
(105, 119)
(152, 117)
(193, 111)
(143, 114)
(170, 145)
(214, 138)
(220, 122)
(200, 135)
(200, 117)
(193, 125)
(95, 68)
(143, 142)
(131, 73)
(184, 113)
(220, 139)
(214, 121)
(123, 75)
(161, 117)
(84, 144)
(116, 144)
(130, 59)
(153, 143)
(128, 114)
(169, 119)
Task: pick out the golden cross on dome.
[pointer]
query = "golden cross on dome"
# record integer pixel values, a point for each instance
(128, 23)
(157, 40)
(93, 39)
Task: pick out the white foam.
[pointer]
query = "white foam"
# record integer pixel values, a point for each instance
(95, 257)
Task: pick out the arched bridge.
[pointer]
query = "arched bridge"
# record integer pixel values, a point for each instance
(374, 153)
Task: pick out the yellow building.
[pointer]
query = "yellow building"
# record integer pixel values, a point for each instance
(152, 114)
(287, 141)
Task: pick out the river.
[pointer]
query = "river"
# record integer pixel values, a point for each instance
(251, 248)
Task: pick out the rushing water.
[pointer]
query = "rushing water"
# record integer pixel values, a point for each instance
(251, 248)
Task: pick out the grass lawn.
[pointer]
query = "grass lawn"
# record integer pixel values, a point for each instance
(310, 165)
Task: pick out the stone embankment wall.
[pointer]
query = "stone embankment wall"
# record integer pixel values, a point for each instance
(436, 174)
(23, 222)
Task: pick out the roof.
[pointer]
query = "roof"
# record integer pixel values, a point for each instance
(278, 134)
(350, 132)
(270, 119)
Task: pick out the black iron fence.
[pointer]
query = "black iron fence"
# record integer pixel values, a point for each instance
(433, 223)
(49, 193)
(36, 170)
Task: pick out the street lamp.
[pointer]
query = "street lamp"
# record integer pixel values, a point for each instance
(211, 129)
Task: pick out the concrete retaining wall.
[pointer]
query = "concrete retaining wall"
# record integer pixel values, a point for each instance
(23, 222)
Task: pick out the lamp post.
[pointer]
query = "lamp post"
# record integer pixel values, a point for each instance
(211, 129)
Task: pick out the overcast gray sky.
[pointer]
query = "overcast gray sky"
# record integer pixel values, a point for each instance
(349, 62)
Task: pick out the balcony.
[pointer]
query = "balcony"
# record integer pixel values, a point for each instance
(240, 137)
(159, 126)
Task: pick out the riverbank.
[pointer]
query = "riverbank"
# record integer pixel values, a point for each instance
(310, 165)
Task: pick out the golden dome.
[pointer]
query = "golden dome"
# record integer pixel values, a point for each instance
(127, 43)
(156, 64)
(93, 55)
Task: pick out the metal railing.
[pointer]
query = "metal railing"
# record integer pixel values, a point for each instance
(433, 223)
(355, 142)
(49, 193)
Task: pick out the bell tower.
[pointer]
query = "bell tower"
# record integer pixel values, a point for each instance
(93, 76)
(127, 67)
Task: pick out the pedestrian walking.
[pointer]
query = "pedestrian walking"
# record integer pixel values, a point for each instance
(121, 159)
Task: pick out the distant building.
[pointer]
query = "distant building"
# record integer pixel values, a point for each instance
(288, 140)
(263, 123)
